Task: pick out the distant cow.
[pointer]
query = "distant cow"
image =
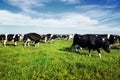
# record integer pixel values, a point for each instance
(91, 42)
(10, 37)
(67, 36)
(52, 37)
(32, 37)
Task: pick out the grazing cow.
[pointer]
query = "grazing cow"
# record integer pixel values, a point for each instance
(65, 36)
(52, 37)
(91, 42)
(10, 37)
(32, 37)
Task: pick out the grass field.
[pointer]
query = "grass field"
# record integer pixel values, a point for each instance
(56, 62)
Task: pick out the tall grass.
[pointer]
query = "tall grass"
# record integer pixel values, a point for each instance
(55, 61)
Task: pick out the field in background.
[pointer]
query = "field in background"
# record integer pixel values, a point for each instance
(55, 61)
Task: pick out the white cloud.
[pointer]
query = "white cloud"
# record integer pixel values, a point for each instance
(95, 7)
(100, 13)
(64, 20)
(27, 5)
(74, 22)
(70, 1)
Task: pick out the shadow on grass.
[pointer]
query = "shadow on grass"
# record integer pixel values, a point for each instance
(10, 45)
(69, 49)
(115, 48)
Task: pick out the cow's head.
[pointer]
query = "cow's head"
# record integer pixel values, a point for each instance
(106, 45)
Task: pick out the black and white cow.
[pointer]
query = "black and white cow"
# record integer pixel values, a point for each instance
(92, 42)
(67, 36)
(52, 37)
(32, 37)
(10, 37)
(3, 38)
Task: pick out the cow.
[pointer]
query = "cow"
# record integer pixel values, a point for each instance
(32, 37)
(52, 37)
(3, 38)
(67, 36)
(92, 42)
(10, 37)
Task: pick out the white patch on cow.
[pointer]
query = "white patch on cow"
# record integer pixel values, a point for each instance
(28, 40)
(103, 39)
(51, 36)
(21, 37)
(96, 35)
(108, 36)
(13, 37)
(99, 55)
(114, 37)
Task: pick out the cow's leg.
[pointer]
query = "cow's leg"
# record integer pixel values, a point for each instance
(99, 54)
(4, 42)
(45, 40)
(15, 43)
(25, 44)
(89, 52)
(37, 43)
(28, 44)
(78, 49)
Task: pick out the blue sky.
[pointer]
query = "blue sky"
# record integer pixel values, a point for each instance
(60, 16)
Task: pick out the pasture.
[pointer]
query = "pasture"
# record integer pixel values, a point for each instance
(55, 61)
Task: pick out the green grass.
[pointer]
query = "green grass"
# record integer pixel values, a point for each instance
(56, 62)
